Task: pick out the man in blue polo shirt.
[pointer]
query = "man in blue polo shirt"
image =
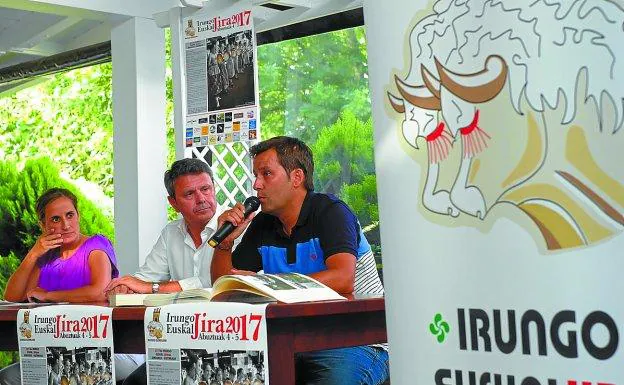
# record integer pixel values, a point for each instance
(302, 231)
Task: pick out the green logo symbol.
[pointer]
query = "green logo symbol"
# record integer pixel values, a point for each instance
(439, 327)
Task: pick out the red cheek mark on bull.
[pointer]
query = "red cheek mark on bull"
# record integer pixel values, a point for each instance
(439, 143)
(474, 138)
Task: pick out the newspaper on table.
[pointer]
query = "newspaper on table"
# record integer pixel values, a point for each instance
(66, 344)
(221, 76)
(209, 341)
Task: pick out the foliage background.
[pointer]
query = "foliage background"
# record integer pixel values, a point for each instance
(314, 88)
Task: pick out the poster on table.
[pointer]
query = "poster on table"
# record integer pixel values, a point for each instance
(221, 76)
(66, 344)
(210, 342)
(499, 127)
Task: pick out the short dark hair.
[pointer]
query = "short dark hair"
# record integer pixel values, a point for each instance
(184, 167)
(292, 153)
(50, 195)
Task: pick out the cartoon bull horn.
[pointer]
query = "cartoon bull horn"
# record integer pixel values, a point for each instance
(431, 82)
(396, 103)
(476, 87)
(419, 96)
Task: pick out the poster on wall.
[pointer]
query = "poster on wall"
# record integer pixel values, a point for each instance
(66, 344)
(221, 76)
(500, 125)
(212, 342)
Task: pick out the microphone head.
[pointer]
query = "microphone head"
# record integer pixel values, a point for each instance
(251, 204)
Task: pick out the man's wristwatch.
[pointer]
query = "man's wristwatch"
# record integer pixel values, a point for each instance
(155, 287)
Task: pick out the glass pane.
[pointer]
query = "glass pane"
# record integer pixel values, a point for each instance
(316, 89)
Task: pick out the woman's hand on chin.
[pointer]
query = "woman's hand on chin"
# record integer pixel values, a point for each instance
(46, 242)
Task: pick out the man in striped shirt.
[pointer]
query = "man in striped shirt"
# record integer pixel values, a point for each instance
(311, 233)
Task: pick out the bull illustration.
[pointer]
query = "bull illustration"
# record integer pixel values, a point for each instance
(533, 61)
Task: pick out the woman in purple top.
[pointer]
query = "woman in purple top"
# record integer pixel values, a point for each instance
(64, 265)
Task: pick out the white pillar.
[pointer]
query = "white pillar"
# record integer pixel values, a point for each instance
(178, 61)
(140, 143)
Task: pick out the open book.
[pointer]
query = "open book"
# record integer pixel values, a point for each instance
(288, 288)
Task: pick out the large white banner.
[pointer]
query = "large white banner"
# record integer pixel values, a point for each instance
(207, 341)
(66, 344)
(498, 145)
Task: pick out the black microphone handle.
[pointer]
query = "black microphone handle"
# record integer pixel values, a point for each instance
(222, 233)
(251, 204)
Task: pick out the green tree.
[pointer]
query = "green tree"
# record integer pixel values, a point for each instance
(7, 358)
(67, 118)
(306, 83)
(343, 153)
(8, 264)
(362, 198)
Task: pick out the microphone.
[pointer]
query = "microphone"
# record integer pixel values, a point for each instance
(251, 204)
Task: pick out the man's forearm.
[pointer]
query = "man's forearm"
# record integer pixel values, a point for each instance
(335, 280)
(88, 293)
(140, 285)
(340, 273)
(169, 287)
(221, 262)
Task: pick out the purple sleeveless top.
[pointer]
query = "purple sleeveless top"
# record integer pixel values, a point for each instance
(74, 272)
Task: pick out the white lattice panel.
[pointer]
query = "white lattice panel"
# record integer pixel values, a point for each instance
(231, 167)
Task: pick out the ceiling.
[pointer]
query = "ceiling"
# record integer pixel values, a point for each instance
(35, 29)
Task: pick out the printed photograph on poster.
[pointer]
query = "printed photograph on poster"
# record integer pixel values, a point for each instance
(86, 365)
(222, 367)
(231, 80)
